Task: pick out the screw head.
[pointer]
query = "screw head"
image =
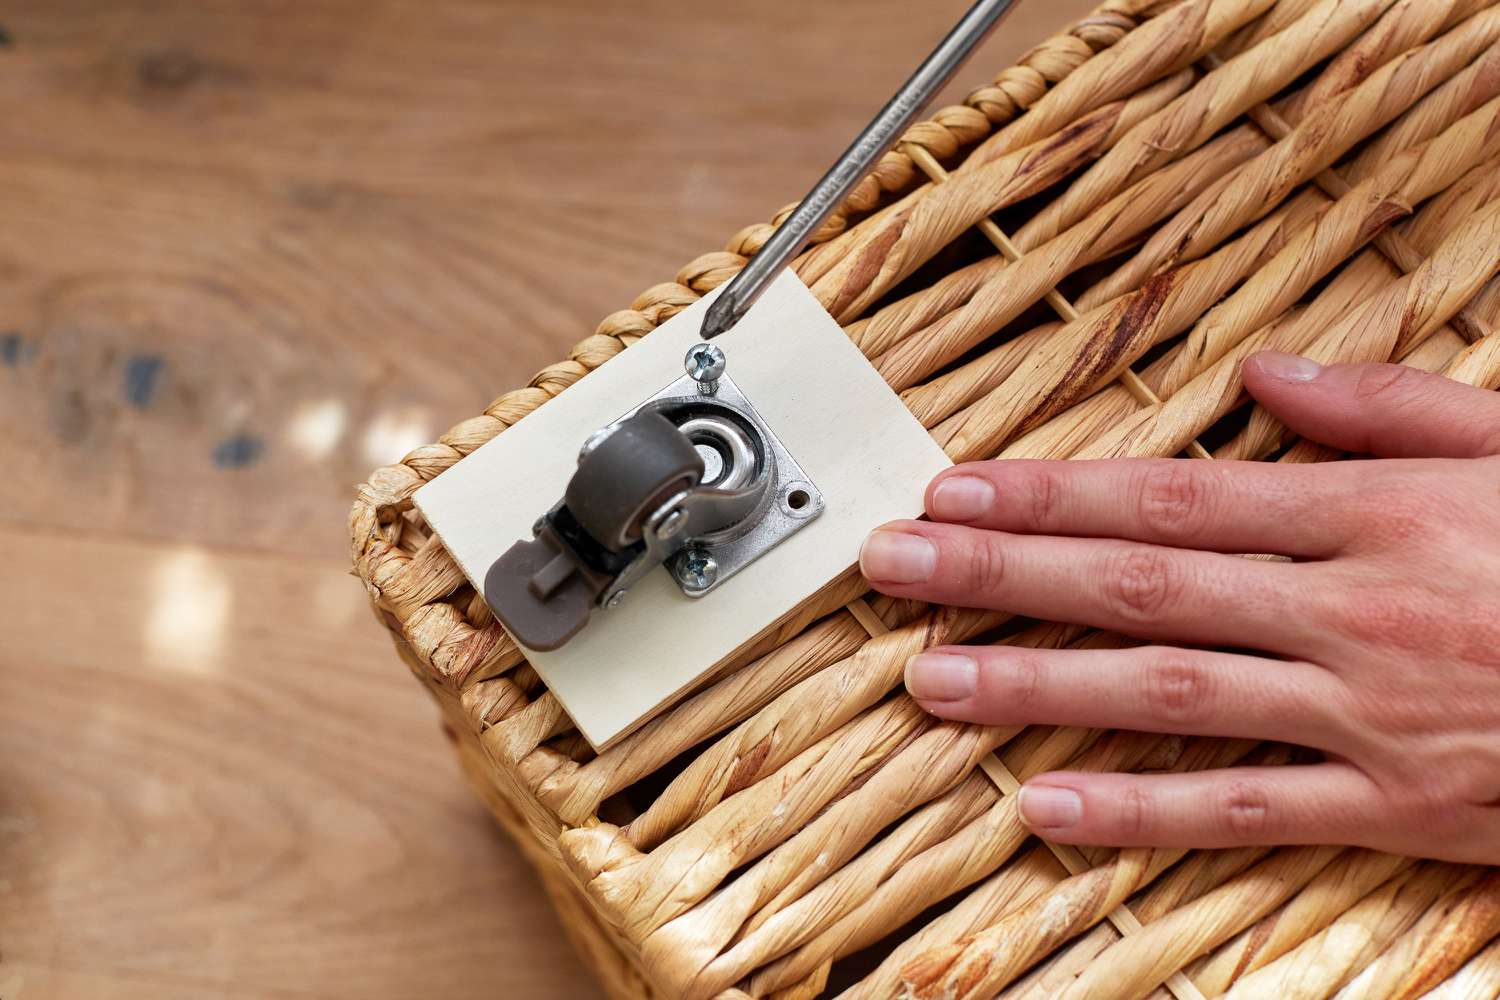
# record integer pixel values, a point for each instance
(616, 600)
(705, 365)
(696, 570)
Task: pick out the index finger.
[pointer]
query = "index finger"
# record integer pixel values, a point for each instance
(1293, 510)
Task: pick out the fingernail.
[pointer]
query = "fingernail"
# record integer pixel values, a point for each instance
(897, 557)
(1049, 807)
(1288, 367)
(941, 677)
(962, 498)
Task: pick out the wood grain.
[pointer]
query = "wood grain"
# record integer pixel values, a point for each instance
(251, 249)
(215, 783)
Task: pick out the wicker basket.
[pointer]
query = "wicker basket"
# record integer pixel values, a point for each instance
(1169, 186)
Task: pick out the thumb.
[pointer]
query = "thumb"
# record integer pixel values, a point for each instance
(1390, 411)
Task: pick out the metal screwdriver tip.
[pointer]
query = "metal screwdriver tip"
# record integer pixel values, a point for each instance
(719, 317)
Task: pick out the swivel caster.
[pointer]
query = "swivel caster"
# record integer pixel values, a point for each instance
(694, 481)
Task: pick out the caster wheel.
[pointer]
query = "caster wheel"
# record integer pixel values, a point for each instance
(628, 475)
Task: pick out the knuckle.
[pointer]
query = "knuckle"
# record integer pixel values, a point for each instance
(1136, 813)
(1385, 381)
(1043, 496)
(1403, 521)
(1392, 617)
(1429, 798)
(1173, 501)
(1022, 685)
(1140, 583)
(1476, 629)
(1438, 806)
(1245, 811)
(1480, 783)
(1478, 635)
(1395, 714)
(1408, 510)
(1178, 691)
(1465, 773)
(985, 569)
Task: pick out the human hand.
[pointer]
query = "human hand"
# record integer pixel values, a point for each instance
(1381, 639)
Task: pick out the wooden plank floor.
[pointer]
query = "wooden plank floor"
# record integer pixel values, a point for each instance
(250, 249)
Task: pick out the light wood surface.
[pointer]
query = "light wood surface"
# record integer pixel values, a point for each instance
(250, 250)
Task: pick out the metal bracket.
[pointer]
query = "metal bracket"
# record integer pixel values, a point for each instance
(792, 502)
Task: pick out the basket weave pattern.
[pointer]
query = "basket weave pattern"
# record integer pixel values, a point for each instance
(1179, 184)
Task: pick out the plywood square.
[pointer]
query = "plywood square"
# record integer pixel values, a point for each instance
(865, 452)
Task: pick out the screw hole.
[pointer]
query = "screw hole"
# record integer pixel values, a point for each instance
(797, 499)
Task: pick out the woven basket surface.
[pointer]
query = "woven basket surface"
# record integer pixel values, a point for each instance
(1073, 263)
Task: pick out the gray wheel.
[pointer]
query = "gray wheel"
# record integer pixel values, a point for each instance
(628, 475)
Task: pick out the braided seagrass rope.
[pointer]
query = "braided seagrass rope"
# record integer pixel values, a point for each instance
(1405, 309)
(1149, 200)
(1338, 887)
(1425, 114)
(1008, 784)
(1188, 880)
(1405, 26)
(1412, 177)
(1347, 117)
(1167, 43)
(1435, 947)
(1323, 962)
(1061, 437)
(1477, 980)
(1274, 20)
(1290, 273)
(973, 854)
(1226, 92)
(1198, 874)
(894, 244)
(1016, 350)
(1091, 240)
(1171, 42)
(1185, 881)
(1021, 397)
(506, 697)
(991, 960)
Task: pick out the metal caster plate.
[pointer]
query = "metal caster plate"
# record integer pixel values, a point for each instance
(794, 502)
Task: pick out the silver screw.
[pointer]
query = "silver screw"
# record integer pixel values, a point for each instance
(696, 570)
(704, 364)
(615, 601)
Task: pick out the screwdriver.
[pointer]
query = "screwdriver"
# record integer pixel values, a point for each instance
(858, 160)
